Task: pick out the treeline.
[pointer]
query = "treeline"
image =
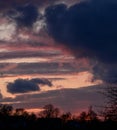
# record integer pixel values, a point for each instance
(50, 118)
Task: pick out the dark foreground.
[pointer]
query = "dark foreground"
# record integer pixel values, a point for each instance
(22, 123)
(50, 119)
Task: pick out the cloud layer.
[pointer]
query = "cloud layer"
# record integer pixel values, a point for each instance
(73, 100)
(87, 28)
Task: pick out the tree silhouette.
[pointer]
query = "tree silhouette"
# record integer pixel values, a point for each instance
(82, 116)
(6, 109)
(49, 111)
(20, 119)
(88, 116)
(19, 111)
(110, 109)
(91, 115)
(66, 116)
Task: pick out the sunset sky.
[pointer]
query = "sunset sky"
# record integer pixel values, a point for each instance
(57, 52)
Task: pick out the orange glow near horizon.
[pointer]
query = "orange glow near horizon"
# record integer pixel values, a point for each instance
(78, 80)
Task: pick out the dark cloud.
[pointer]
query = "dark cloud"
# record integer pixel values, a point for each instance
(106, 72)
(89, 26)
(26, 85)
(25, 54)
(40, 68)
(6, 4)
(41, 81)
(89, 29)
(22, 86)
(25, 12)
(24, 15)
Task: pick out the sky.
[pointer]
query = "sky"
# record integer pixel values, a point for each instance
(59, 52)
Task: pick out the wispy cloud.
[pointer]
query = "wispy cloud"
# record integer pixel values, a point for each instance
(7, 29)
(44, 68)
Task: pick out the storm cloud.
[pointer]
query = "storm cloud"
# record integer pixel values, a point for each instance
(24, 15)
(89, 30)
(90, 26)
(26, 85)
(6, 4)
